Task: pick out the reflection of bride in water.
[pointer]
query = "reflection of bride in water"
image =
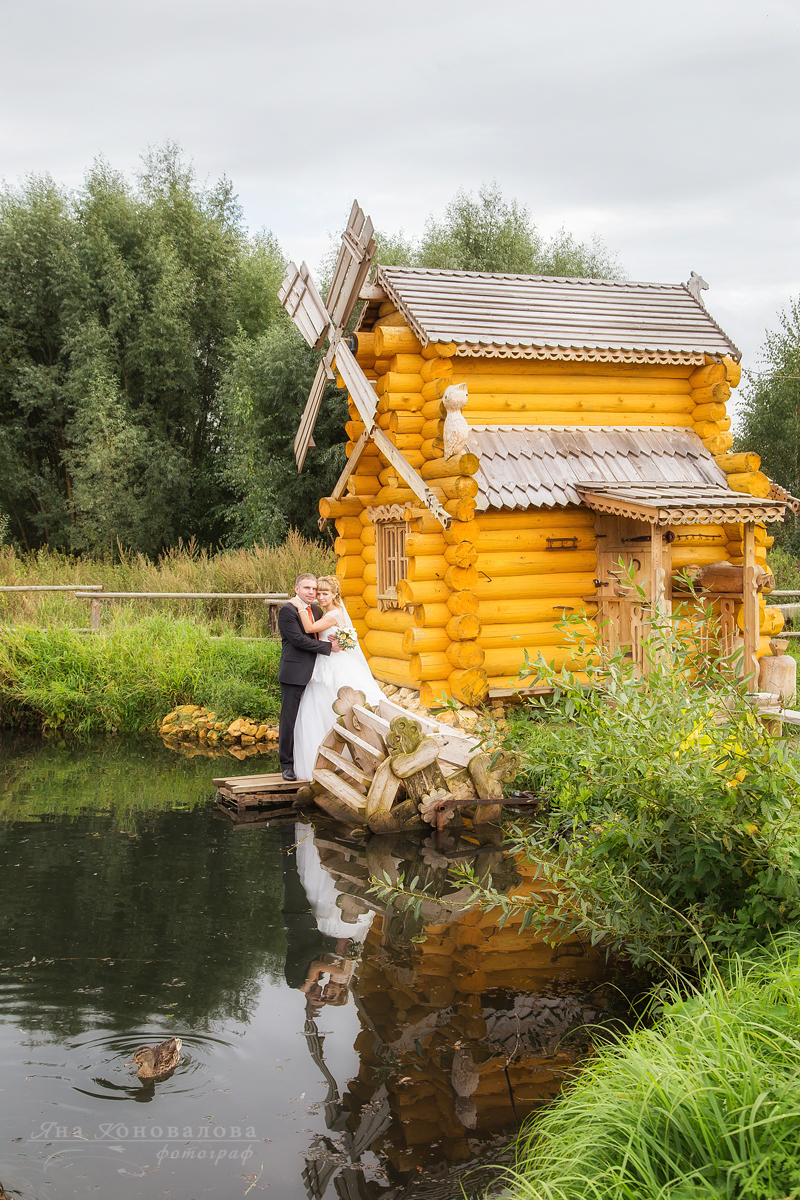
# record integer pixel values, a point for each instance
(320, 889)
(327, 983)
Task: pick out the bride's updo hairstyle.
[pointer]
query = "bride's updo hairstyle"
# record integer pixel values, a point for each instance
(330, 583)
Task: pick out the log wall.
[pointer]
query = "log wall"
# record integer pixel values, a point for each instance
(480, 594)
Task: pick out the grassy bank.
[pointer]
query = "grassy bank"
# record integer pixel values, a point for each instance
(185, 569)
(137, 669)
(706, 1104)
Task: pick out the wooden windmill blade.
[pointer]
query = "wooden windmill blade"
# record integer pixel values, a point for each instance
(352, 267)
(305, 433)
(357, 384)
(303, 303)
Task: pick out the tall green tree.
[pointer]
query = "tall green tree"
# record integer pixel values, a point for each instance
(262, 399)
(769, 421)
(489, 232)
(118, 309)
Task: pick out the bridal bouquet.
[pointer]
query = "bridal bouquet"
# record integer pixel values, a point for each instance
(346, 636)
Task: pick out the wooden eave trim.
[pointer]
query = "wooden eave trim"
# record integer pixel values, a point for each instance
(665, 514)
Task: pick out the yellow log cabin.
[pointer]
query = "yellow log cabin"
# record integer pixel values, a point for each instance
(513, 439)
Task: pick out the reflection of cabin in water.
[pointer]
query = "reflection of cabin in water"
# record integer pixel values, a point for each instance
(464, 1031)
(590, 426)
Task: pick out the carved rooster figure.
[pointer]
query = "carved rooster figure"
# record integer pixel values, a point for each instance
(456, 429)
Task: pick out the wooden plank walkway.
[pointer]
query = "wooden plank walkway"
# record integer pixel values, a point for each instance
(266, 796)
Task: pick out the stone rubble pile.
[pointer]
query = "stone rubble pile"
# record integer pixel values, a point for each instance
(193, 723)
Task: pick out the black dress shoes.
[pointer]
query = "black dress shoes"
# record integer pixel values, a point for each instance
(290, 775)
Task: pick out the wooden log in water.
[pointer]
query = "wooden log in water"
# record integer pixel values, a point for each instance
(339, 810)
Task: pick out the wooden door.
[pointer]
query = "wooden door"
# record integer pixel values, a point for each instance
(631, 575)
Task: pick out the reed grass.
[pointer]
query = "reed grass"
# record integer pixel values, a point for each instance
(705, 1104)
(186, 568)
(785, 566)
(131, 673)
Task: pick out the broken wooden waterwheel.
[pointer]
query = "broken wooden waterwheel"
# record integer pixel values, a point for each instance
(392, 770)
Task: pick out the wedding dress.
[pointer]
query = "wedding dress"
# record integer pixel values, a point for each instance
(315, 715)
(322, 892)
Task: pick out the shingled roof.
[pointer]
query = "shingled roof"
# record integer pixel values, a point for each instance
(633, 471)
(531, 316)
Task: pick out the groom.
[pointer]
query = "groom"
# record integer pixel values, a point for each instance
(297, 664)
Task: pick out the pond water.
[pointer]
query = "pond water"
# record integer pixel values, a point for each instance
(331, 1046)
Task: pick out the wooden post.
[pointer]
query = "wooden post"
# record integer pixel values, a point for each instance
(95, 616)
(750, 614)
(658, 588)
(658, 593)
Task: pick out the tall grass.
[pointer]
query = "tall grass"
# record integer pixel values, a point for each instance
(785, 566)
(707, 1104)
(184, 569)
(138, 668)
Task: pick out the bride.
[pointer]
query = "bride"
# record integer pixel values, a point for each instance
(348, 669)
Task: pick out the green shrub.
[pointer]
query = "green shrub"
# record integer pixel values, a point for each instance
(785, 566)
(704, 1105)
(673, 826)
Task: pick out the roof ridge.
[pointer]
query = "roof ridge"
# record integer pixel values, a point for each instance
(610, 281)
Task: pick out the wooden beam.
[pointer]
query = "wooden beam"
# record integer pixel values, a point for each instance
(346, 765)
(303, 303)
(750, 606)
(341, 482)
(51, 587)
(352, 267)
(340, 788)
(406, 471)
(305, 431)
(269, 597)
(358, 386)
(362, 751)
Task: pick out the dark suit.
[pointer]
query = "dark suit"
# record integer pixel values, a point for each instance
(296, 666)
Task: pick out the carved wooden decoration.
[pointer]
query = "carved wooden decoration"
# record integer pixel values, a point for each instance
(456, 428)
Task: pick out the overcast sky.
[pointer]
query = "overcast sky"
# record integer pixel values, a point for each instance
(669, 128)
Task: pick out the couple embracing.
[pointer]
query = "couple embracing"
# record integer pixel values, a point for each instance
(312, 669)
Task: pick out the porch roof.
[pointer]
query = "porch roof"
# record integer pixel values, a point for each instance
(664, 475)
(681, 504)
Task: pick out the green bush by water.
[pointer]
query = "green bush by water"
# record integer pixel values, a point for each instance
(705, 1105)
(673, 828)
(133, 672)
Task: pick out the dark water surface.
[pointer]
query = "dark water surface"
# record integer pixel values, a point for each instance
(331, 1047)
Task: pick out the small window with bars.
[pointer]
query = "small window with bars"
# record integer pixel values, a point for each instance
(390, 559)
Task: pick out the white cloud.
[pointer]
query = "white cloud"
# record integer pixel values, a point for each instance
(670, 128)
